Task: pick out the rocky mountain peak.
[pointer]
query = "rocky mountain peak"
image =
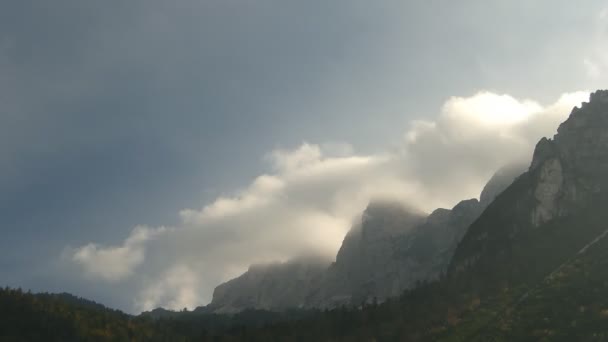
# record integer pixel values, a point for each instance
(573, 165)
(583, 136)
(582, 140)
(439, 216)
(380, 223)
(600, 96)
(545, 149)
(273, 286)
(383, 219)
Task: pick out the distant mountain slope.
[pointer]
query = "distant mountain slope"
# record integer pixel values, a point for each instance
(279, 286)
(366, 264)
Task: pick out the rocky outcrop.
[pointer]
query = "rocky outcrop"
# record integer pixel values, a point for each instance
(366, 266)
(275, 286)
(550, 183)
(572, 167)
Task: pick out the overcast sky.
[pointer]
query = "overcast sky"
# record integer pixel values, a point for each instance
(152, 149)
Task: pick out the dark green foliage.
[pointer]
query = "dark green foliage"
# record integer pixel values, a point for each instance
(62, 317)
(570, 304)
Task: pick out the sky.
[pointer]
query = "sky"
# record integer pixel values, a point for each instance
(150, 150)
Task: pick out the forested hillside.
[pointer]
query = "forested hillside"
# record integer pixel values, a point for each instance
(62, 317)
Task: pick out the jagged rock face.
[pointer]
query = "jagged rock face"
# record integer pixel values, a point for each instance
(405, 251)
(581, 140)
(272, 287)
(572, 167)
(366, 266)
(380, 224)
(368, 246)
(567, 175)
(551, 179)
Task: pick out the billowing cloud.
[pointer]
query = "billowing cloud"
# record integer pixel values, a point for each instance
(308, 200)
(177, 288)
(115, 263)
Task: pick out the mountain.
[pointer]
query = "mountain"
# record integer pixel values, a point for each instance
(365, 266)
(543, 224)
(395, 249)
(391, 249)
(278, 286)
(531, 267)
(525, 264)
(552, 209)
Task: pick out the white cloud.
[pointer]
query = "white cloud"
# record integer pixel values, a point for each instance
(177, 289)
(308, 201)
(490, 110)
(116, 263)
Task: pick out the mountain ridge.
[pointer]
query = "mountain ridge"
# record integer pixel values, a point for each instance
(393, 248)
